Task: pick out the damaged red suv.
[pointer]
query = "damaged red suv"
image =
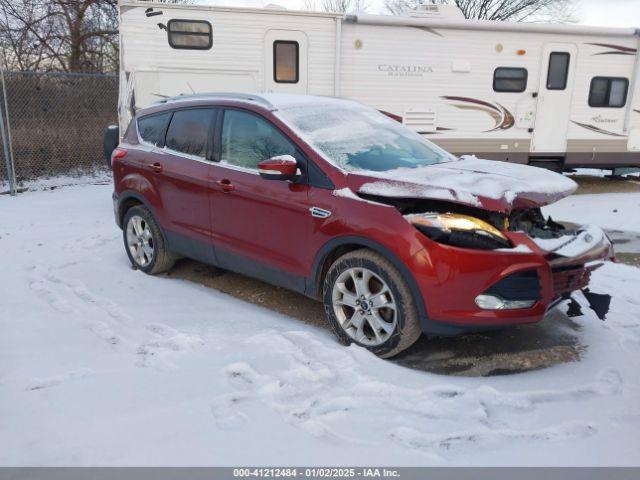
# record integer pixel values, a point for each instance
(339, 202)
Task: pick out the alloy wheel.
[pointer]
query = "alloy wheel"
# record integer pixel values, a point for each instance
(140, 241)
(364, 305)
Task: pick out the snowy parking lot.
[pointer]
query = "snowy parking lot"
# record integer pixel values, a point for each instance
(103, 365)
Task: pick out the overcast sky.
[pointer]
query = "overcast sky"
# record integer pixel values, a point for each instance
(612, 13)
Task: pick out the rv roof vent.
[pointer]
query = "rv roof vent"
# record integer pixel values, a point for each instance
(448, 12)
(275, 6)
(420, 119)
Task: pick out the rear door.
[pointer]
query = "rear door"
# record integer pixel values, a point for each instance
(261, 227)
(182, 171)
(554, 99)
(286, 53)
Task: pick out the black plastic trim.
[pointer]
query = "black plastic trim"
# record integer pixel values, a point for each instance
(127, 194)
(522, 285)
(256, 269)
(190, 247)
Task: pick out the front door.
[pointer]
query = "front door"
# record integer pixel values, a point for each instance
(554, 99)
(260, 227)
(285, 61)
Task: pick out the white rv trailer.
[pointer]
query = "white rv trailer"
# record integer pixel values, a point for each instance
(558, 95)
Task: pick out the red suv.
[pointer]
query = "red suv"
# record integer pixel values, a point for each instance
(343, 203)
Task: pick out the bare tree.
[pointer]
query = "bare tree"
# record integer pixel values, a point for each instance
(339, 6)
(513, 10)
(60, 35)
(66, 35)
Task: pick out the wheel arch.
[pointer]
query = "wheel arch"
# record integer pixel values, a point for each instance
(129, 199)
(337, 247)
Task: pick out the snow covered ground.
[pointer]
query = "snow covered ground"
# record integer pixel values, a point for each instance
(612, 211)
(103, 365)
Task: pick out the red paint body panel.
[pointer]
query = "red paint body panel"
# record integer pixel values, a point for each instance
(269, 223)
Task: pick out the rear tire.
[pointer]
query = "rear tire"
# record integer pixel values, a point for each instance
(144, 242)
(368, 302)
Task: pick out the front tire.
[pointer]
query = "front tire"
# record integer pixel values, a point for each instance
(144, 243)
(368, 302)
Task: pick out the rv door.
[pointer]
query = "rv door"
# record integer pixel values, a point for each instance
(554, 99)
(286, 61)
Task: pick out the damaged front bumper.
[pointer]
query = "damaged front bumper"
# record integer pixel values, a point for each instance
(573, 260)
(525, 281)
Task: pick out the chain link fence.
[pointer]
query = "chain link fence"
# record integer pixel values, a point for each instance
(55, 124)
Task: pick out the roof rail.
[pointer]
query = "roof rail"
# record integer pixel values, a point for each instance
(246, 97)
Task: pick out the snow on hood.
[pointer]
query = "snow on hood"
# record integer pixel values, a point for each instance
(487, 184)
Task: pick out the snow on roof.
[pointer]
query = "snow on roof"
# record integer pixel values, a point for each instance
(275, 101)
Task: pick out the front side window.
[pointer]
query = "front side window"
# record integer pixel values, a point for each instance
(189, 131)
(558, 70)
(152, 128)
(190, 34)
(608, 92)
(248, 139)
(355, 137)
(285, 61)
(506, 79)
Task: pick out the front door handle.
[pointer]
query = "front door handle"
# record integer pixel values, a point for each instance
(226, 185)
(156, 167)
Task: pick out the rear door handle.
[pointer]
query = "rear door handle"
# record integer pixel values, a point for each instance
(226, 185)
(156, 167)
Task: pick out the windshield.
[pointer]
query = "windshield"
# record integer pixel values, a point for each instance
(355, 137)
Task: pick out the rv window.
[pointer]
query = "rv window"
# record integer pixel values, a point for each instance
(248, 139)
(152, 128)
(507, 79)
(608, 92)
(189, 130)
(558, 71)
(285, 61)
(190, 34)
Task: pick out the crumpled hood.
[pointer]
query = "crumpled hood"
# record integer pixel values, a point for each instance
(487, 184)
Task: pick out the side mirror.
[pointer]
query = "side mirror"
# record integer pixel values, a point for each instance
(282, 167)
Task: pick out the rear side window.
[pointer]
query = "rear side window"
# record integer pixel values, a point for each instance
(608, 92)
(189, 131)
(152, 128)
(190, 34)
(506, 79)
(285, 61)
(248, 139)
(558, 71)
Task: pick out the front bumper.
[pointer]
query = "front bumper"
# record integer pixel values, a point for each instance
(451, 278)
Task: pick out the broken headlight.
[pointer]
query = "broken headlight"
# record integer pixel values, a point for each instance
(459, 230)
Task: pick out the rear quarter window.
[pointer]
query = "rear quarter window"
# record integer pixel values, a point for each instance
(152, 128)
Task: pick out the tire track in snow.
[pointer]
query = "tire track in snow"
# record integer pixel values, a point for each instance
(322, 390)
(52, 381)
(154, 344)
(487, 437)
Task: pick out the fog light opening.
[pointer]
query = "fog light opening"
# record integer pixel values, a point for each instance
(494, 302)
